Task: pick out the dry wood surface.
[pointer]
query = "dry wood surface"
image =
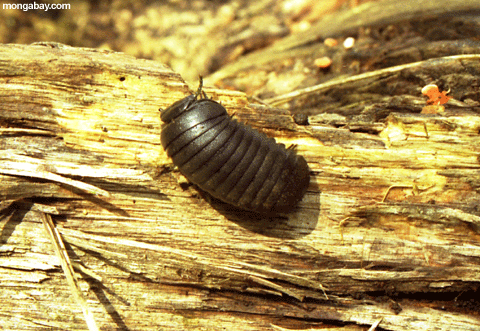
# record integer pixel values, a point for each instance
(388, 230)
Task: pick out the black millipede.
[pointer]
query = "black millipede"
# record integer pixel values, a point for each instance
(229, 160)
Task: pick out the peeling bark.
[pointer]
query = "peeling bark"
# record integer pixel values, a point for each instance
(390, 218)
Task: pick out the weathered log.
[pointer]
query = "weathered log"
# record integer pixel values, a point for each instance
(391, 212)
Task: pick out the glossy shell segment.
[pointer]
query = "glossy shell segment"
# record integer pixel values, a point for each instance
(232, 161)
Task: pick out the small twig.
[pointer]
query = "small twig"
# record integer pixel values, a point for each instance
(374, 325)
(277, 287)
(16, 131)
(67, 267)
(281, 99)
(37, 172)
(392, 187)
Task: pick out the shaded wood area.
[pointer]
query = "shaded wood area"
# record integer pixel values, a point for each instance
(388, 230)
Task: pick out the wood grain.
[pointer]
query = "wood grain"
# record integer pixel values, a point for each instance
(392, 212)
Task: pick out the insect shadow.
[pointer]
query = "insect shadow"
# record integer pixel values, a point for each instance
(293, 225)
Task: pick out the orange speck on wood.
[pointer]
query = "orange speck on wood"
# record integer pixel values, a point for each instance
(435, 97)
(330, 42)
(323, 62)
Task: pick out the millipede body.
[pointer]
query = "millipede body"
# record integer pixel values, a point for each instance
(230, 160)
